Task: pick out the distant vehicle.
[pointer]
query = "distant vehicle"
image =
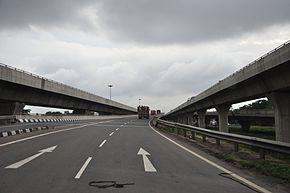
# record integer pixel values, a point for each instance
(158, 112)
(143, 112)
(213, 123)
(153, 112)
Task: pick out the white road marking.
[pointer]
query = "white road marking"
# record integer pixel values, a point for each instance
(117, 129)
(121, 125)
(111, 134)
(214, 164)
(22, 162)
(49, 133)
(102, 143)
(148, 166)
(79, 174)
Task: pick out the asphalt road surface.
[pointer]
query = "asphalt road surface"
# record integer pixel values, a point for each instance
(68, 159)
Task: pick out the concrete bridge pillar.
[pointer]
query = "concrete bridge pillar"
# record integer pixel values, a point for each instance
(201, 118)
(190, 118)
(185, 119)
(179, 119)
(174, 119)
(281, 103)
(223, 112)
(11, 108)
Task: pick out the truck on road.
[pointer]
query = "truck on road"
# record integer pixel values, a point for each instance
(143, 112)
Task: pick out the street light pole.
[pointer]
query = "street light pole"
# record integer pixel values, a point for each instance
(110, 86)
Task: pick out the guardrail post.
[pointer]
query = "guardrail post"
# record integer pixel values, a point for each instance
(218, 142)
(236, 147)
(262, 154)
(184, 133)
(193, 135)
(203, 138)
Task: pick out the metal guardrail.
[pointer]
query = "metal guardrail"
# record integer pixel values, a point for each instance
(262, 144)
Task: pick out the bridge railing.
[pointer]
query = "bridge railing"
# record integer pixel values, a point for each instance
(252, 63)
(262, 145)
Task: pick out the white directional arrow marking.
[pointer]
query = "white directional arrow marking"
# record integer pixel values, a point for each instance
(22, 162)
(147, 164)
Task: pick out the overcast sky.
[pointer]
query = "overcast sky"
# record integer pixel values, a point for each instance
(162, 51)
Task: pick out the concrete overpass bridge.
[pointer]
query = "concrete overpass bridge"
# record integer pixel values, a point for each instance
(19, 88)
(268, 76)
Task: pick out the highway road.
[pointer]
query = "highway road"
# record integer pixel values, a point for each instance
(66, 160)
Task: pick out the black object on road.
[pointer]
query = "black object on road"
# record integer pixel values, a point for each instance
(108, 184)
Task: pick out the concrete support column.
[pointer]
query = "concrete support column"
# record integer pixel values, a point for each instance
(223, 112)
(175, 119)
(190, 118)
(281, 103)
(11, 108)
(201, 118)
(179, 119)
(185, 119)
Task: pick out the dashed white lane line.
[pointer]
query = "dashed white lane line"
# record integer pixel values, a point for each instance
(117, 129)
(79, 174)
(111, 134)
(251, 184)
(121, 125)
(102, 143)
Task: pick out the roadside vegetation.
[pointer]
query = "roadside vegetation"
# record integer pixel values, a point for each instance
(265, 132)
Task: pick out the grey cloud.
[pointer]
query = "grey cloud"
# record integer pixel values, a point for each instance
(149, 21)
(184, 21)
(15, 14)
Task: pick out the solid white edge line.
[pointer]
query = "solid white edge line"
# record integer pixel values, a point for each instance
(49, 133)
(214, 164)
(102, 143)
(111, 134)
(79, 174)
(117, 129)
